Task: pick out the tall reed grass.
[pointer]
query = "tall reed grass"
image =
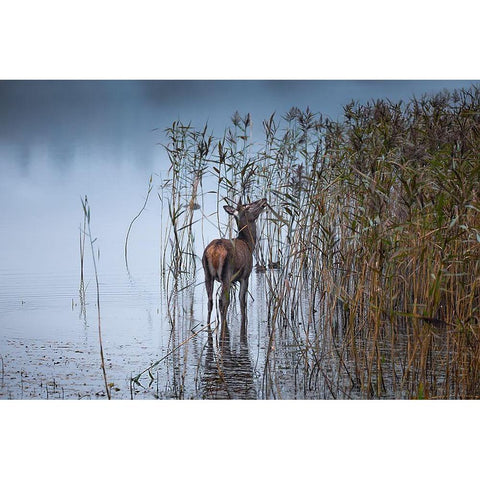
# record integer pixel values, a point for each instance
(88, 232)
(373, 236)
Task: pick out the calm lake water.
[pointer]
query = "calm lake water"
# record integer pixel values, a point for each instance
(49, 346)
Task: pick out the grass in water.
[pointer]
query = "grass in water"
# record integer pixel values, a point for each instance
(86, 212)
(372, 240)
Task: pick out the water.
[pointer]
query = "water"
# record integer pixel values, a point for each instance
(50, 347)
(49, 343)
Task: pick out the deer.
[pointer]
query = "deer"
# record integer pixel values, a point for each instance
(229, 261)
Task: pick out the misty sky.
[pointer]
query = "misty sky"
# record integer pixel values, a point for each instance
(115, 120)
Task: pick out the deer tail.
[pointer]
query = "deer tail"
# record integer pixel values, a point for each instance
(214, 259)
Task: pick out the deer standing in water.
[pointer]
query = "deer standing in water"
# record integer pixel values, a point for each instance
(229, 261)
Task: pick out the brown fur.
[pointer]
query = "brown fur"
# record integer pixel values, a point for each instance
(229, 261)
(216, 253)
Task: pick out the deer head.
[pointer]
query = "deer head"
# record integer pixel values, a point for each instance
(245, 216)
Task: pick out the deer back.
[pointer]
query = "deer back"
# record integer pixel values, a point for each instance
(228, 260)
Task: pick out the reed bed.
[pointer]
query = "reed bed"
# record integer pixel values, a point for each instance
(370, 253)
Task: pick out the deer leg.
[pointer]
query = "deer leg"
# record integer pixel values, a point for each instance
(224, 300)
(243, 299)
(209, 287)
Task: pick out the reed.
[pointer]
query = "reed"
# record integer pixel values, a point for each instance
(86, 212)
(372, 240)
(150, 187)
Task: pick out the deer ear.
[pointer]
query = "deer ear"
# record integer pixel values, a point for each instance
(230, 210)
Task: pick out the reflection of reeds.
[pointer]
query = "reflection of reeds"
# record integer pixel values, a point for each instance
(3, 370)
(83, 312)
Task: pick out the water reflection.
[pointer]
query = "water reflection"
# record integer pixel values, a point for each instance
(228, 370)
(57, 357)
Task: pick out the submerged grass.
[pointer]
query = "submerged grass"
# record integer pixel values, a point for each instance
(373, 240)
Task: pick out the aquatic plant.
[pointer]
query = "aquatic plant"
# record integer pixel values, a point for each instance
(372, 236)
(86, 212)
(150, 187)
